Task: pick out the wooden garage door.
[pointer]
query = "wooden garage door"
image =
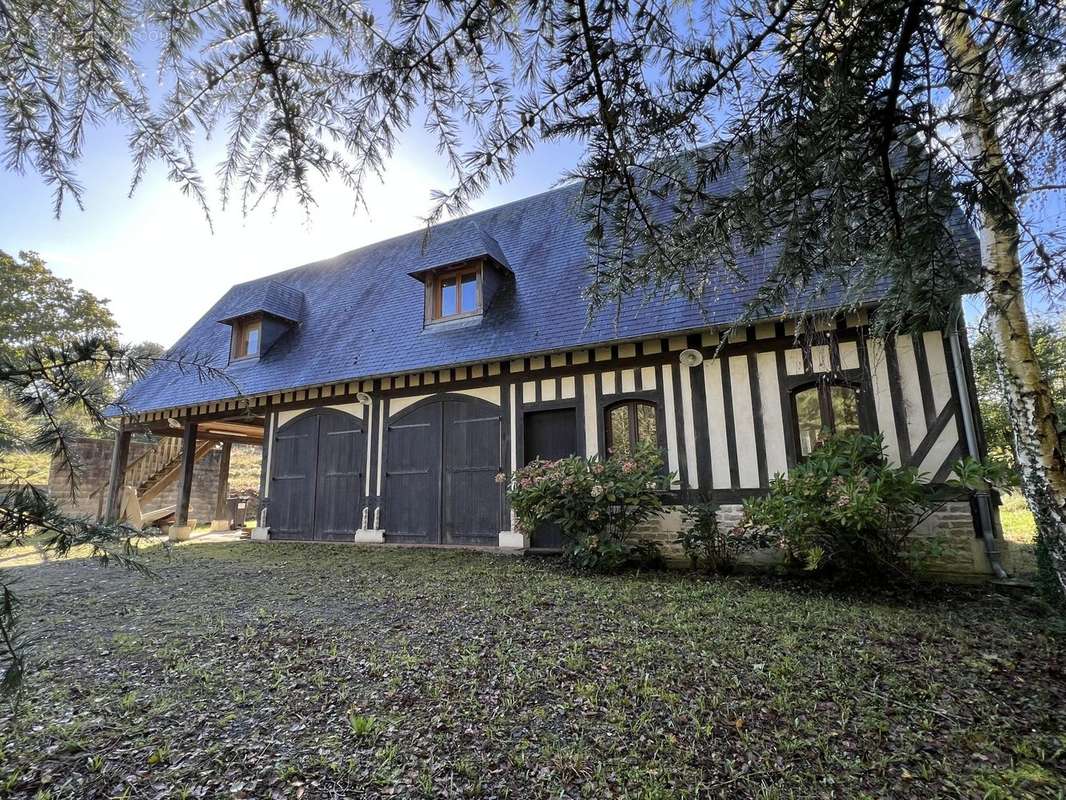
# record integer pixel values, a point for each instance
(316, 477)
(442, 457)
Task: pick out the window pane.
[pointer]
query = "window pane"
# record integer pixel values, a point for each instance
(448, 298)
(251, 338)
(808, 419)
(469, 292)
(646, 428)
(619, 429)
(845, 403)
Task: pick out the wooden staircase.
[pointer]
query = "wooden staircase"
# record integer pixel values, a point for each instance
(153, 470)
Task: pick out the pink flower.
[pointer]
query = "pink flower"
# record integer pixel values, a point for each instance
(628, 466)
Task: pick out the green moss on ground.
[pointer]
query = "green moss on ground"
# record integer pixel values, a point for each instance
(250, 670)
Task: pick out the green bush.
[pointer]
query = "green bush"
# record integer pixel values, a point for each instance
(844, 510)
(597, 504)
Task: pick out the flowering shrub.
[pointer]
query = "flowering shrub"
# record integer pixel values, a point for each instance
(847, 510)
(710, 547)
(597, 504)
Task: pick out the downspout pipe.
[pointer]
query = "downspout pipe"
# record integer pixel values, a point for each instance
(983, 497)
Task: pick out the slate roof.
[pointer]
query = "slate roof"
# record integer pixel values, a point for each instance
(362, 311)
(266, 296)
(454, 243)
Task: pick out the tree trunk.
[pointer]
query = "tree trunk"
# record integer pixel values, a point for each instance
(1041, 451)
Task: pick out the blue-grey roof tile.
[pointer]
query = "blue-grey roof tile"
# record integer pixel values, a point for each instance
(360, 314)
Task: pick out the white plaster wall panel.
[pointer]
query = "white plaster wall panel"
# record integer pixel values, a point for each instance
(514, 429)
(886, 422)
(547, 390)
(490, 394)
(268, 441)
(743, 423)
(912, 389)
(773, 426)
(939, 377)
(381, 452)
(529, 392)
(849, 355)
(568, 389)
(355, 409)
(794, 361)
(820, 360)
(939, 452)
(588, 388)
(607, 383)
(647, 378)
(629, 380)
(670, 412)
(712, 383)
(398, 404)
(689, 427)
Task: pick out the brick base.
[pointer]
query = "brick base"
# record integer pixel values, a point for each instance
(945, 545)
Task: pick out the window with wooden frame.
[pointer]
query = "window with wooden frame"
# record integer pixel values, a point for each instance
(455, 293)
(628, 424)
(821, 410)
(246, 338)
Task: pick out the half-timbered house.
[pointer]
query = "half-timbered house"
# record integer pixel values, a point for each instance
(391, 386)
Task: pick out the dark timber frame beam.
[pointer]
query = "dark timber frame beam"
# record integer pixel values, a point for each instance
(223, 487)
(188, 461)
(120, 457)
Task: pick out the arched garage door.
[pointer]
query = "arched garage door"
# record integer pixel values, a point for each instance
(441, 459)
(316, 479)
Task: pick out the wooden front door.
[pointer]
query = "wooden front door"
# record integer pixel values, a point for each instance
(549, 435)
(316, 477)
(441, 460)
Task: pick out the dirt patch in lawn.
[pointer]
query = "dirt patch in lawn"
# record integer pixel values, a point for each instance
(247, 670)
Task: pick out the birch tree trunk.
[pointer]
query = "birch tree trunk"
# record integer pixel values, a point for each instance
(1040, 450)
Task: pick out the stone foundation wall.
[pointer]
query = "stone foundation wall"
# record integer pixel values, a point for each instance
(946, 544)
(94, 468)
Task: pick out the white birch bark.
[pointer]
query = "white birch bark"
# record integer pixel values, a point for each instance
(1040, 450)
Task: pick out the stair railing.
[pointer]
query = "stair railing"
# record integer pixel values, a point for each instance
(144, 466)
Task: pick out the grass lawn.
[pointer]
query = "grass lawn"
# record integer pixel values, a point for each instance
(270, 670)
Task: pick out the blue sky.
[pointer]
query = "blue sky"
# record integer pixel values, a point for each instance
(155, 258)
(157, 261)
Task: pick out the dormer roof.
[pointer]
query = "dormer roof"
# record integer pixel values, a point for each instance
(459, 242)
(268, 297)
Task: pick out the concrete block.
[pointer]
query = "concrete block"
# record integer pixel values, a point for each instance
(512, 540)
(369, 536)
(220, 525)
(180, 533)
(260, 534)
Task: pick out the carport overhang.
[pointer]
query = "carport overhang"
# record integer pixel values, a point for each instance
(194, 432)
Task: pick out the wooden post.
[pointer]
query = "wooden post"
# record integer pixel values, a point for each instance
(120, 456)
(221, 520)
(188, 461)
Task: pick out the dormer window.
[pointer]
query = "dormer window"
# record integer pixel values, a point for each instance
(455, 293)
(246, 338)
